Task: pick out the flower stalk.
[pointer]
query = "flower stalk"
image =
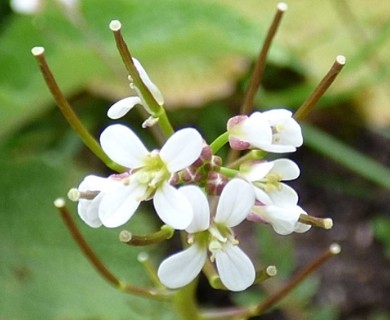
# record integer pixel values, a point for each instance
(155, 110)
(308, 105)
(95, 261)
(324, 223)
(330, 252)
(247, 105)
(165, 233)
(67, 111)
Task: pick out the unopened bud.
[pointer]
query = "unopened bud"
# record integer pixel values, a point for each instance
(215, 183)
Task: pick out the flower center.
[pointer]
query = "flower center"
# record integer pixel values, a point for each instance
(277, 129)
(219, 235)
(152, 174)
(270, 183)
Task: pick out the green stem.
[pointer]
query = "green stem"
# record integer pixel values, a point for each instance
(164, 233)
(258, 71)
(250, 156)
(330, 252)
(69, 114)
(231, 173)
(185, 302)
(309, 104)
(153, 107)
(96, 262)
(219, 142)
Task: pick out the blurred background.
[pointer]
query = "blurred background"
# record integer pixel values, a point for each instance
(200, 54)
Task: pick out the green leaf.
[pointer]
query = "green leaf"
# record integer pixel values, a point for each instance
(381, 225)
(42, 272)
(192, 49)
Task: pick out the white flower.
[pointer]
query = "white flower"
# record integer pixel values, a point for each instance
(266, 179)
(284, 220)
(149, 176)
(235, 269)
(249, 132)
(286, 132)
(26, 6)
(89, 195)
(272, 131)
(120, 108)
(30, 7)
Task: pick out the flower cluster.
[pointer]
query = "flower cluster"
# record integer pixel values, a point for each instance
(194, 192)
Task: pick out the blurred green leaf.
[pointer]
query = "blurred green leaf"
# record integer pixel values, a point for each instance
(43, 274)
(346, 155)
(381, 225)
(193, 50)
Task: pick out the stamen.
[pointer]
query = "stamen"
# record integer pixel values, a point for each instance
(149, 122)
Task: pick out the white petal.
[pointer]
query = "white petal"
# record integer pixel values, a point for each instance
(285, 197)
(292, 133)
(173, 207)
(278, 148)
(182, 149)
(120, 108)
(276, 116)
(262, 196)
(181, 268)
(283, 220)
(93, 183)
(148, 83)
(123, 146)
(235, 268)
(235, 203)
(200, 206)
(288, 169)
(88, 211)
(258, 171)
(257, 130)
(26, 6)
(119, 205)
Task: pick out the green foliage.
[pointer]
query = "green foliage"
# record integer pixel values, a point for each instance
(197, 52)
(381, 226)
(42, 272)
